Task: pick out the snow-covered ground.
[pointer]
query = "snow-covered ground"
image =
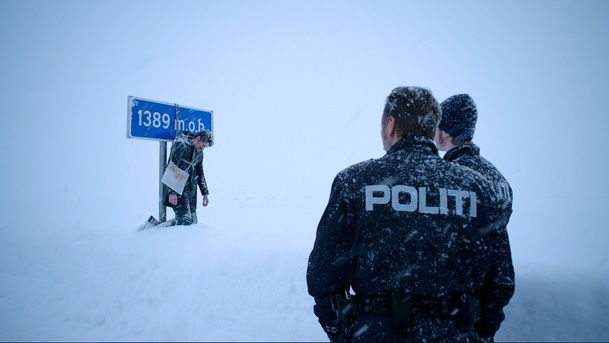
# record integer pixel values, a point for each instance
(232, 282)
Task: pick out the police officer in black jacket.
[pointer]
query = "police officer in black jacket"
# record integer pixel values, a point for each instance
(408, 233)
(454, 135)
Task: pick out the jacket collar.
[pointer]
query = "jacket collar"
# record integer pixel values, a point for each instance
(470, 149)
(187, 138)
(415, 143)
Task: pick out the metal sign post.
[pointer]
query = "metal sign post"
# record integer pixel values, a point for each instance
(162, 163)
(154, 120)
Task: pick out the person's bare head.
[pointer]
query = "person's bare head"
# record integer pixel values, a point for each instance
(203, 139)
(409, 111)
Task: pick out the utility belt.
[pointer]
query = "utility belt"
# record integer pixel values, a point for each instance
(402, 307)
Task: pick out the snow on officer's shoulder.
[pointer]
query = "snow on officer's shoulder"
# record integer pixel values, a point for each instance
(470, 170)
(355, 164)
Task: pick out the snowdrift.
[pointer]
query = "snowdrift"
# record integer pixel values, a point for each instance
(200, 284)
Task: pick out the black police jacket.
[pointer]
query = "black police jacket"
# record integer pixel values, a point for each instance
(406, 222)
(499, 283)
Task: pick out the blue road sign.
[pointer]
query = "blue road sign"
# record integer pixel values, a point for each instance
(194, 120)
(148, 119)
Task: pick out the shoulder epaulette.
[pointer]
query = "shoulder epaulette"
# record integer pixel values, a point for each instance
(470, 169)
(353, 165)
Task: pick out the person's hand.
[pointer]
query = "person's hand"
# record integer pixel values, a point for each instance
(173, 199)
(205, 200)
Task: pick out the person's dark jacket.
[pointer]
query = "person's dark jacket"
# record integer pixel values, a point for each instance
(499, 284)
(404, 222)
(186, 157)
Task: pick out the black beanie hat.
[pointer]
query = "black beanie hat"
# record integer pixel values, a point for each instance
(459, 115)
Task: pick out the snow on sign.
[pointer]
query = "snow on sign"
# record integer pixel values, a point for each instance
(149, 119)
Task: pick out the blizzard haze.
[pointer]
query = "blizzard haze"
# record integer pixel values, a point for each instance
(297, 89)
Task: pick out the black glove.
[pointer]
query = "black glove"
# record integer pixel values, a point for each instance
(332, 332)
(333, 338)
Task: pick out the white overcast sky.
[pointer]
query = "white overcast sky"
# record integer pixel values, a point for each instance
(297, 89)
